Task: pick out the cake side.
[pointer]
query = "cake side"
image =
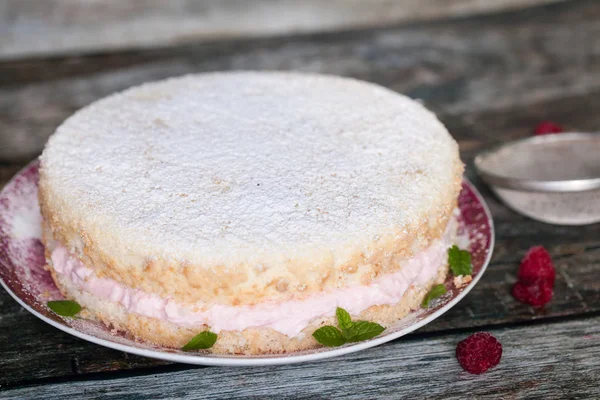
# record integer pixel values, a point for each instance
(285, 325)
(250, 341)
(250, 283)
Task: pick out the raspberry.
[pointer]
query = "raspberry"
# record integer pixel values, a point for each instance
(547, 127)
(536, 278)
(537, 266)
(479, 352)
(536, 294)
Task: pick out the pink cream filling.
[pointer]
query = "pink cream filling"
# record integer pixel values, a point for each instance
(288, 317)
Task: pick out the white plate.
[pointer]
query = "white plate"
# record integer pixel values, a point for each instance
(24, 278)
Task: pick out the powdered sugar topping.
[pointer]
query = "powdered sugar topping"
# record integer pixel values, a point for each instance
(250, 163)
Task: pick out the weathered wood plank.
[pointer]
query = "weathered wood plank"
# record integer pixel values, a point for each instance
(457, 66)
(553, 361)
(58, 27)
(32, 349)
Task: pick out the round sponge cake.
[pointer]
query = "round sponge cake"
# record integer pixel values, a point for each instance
(240, 190)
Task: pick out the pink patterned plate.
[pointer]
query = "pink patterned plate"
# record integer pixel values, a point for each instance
(23, 276)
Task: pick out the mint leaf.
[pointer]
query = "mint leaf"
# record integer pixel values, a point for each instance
(203, 340)
(363, 330)
(344, 319)
(329, 336)
(64, 308)
(460, 261)
(350, 331)
(434, 293)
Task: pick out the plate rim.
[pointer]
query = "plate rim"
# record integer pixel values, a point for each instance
(247, 361)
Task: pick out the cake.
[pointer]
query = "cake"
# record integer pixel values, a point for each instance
(250, 204)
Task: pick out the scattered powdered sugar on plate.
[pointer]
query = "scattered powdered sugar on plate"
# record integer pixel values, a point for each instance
(27, 223)
(463, 240)
(23, 275)
(21, 251)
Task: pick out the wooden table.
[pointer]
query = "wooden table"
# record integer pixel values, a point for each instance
(490, 78)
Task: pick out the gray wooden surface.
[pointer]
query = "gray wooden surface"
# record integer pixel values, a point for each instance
(58, 27)
(490, 78)
(535, 364)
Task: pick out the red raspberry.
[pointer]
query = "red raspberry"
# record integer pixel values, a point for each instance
(536, 294)
(479, 352)
(536, 267)
(547, 127)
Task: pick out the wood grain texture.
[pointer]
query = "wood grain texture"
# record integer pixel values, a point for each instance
(32, 349)
(58, 27)
(455, 66)
(555, 361)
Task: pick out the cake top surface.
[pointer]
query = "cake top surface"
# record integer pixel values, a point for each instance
(250, 163)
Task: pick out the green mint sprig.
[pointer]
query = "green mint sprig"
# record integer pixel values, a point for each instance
(329, 336)
(363, 330)
(344, 318)
(459, 261)
(348, 331)
(434, 293)
(203, 340)
(64, 308)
